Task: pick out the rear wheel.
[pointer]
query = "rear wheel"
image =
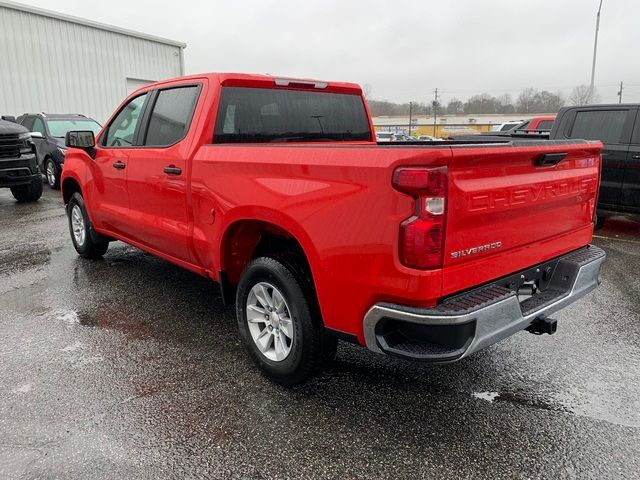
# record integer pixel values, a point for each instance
(276, 320)
(52, 173)
(82, 234)
(28, 193)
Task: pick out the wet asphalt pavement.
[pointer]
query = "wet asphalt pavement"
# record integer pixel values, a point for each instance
(129, 367)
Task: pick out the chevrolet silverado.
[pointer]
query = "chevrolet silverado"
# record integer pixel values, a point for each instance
(276, 189)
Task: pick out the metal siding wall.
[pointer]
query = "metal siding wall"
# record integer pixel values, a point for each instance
(56, 66)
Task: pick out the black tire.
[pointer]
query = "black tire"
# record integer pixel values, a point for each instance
(599, 223)
(309, 344)
(87, 247)
(55, 184)
(28, 193)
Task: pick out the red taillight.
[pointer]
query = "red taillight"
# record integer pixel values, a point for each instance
(422, 235)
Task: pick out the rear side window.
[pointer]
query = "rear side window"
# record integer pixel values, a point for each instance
(257, 115)
(636, 131)
(171, 116)
(604, 125)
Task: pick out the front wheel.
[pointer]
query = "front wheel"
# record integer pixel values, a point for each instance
(274, 309)
(28, 193)
(82, 234)
(53, 175)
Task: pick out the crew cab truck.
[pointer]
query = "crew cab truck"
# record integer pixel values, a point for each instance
(18, 163)
(617, 126)
(277, 189)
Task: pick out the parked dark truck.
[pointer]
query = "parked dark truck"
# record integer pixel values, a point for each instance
(277, 189)
(618, 128)
(18, 163)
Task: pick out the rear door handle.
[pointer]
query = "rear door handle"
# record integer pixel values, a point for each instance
(636, 157)
(172, 170)
(119, 165)
(550, 159)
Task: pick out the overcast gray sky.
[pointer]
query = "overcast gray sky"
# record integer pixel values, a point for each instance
(402, 49)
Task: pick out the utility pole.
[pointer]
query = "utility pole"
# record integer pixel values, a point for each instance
(620, 93)
(435, 111)
(410, 116)
(595, 51)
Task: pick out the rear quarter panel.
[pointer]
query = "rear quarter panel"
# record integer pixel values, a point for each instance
(337, 201)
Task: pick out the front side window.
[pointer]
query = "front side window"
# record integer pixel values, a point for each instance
(257, 115)
(171, 116)
(604, 125)
(38, 126)
(122, 129)
(59, 127)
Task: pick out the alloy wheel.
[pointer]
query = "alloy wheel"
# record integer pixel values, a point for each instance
(269, 321)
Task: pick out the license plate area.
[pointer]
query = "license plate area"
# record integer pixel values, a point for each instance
(531, 282)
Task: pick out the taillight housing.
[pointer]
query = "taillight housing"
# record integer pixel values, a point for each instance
(422, 234)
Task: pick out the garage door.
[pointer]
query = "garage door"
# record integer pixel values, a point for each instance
(135, 83)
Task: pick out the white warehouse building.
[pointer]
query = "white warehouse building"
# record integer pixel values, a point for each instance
(56, 63)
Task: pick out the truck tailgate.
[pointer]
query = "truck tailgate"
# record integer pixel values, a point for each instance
(514, 206)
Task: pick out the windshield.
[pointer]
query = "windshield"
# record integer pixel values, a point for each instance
(59, 127)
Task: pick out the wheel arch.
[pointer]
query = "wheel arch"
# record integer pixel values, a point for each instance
(69, 186)
(249, 238)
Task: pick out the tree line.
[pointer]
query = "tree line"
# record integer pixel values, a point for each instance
(530, 100)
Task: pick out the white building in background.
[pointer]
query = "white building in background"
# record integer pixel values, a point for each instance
(50, 62)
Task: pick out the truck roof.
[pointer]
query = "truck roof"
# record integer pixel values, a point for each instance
(266, 81)
(601, 106)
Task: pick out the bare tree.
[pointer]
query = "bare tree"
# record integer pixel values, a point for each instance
(455, 107)
(532, 100)
(525, 101)
(581, 95)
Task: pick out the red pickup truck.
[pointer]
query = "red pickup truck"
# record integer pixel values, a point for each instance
(276, 189)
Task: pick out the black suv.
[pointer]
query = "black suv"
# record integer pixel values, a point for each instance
(18, 163)
(48, 132)
(618, 128)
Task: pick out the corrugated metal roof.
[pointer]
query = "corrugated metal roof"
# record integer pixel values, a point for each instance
(89, 23)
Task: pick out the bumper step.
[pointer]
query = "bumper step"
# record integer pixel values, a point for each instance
(467, 322)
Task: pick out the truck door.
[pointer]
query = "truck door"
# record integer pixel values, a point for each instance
(109, 195)
(158, 173)
(612, 126)
(631, 176)
(40, 143)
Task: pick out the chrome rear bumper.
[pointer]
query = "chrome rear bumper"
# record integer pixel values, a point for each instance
(470, 321)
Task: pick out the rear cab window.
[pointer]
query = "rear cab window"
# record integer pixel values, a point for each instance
(545, 125)
(264, 115)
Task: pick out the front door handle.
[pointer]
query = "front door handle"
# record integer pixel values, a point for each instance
(119, 165)
(172, 170)
(636, 157)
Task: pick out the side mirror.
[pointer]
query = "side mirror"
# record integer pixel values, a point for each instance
(83, 139)
(36, 135)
